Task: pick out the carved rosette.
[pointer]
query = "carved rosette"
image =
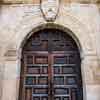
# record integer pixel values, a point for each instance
(50, 9)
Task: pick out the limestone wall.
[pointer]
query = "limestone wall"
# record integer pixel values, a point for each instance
(17, 21)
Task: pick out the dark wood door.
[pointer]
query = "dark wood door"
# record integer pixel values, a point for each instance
(51, 68)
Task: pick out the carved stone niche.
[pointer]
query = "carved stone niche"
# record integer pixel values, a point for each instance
(11, 55)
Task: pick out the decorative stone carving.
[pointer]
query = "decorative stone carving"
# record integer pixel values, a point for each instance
(50, 9)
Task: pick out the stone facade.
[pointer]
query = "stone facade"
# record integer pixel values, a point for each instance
(17, 22)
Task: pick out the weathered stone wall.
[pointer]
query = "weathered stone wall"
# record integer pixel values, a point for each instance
(17, 21)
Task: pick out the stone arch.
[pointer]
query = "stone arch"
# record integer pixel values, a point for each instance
(53, 27)
(67, 21)
(66, 30)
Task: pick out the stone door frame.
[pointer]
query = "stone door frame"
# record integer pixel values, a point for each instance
(67, 31)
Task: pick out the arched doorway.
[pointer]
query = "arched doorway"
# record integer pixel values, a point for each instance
(51, 67)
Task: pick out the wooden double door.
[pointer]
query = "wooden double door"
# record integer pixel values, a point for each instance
(50, 72)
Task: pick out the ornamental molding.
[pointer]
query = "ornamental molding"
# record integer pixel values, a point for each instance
(11, 55)
(50, 9)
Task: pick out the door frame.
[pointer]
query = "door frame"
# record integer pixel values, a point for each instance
(69, 33)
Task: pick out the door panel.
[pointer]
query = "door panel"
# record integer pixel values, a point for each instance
(64, 77)
(36, 76)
